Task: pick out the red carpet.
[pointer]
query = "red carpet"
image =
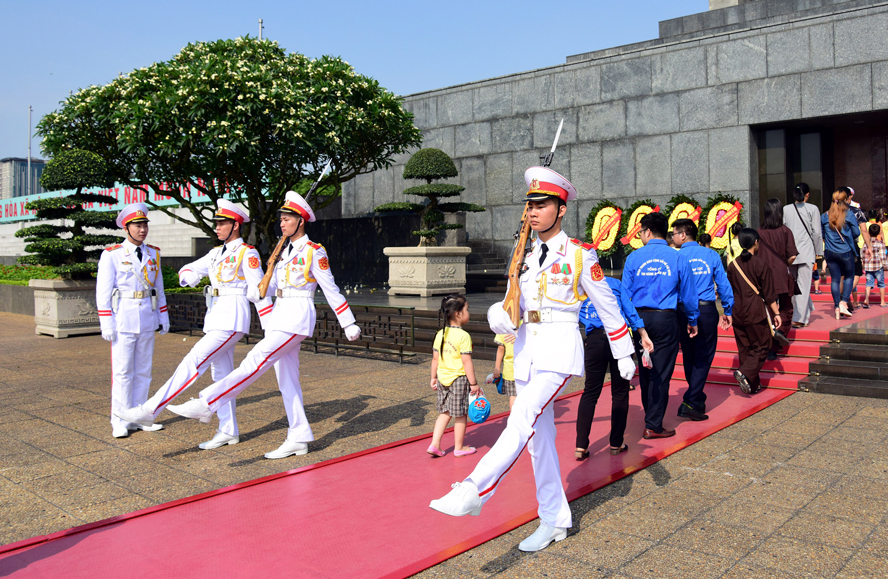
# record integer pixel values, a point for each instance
(363, 515)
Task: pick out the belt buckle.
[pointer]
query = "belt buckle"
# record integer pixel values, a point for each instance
(139, 294)
(215, 292)
(534, 317)
(279, 293)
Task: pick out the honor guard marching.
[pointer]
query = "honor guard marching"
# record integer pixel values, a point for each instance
(303, 267)
(655, 276)
(698, 352)
(560, 273)
(131, 307)
(232, 268)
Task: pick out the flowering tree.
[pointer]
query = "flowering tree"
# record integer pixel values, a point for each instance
(241, 118)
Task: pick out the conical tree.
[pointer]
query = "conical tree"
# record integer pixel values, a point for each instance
(67, 247)
(431, 165)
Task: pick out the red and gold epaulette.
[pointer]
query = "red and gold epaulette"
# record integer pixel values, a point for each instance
(113, 247)
(154, 247)
(314, 245)
(580, 243)
(249, 246)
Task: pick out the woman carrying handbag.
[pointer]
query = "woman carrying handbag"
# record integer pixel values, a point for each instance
(779, 253)
(754, 295)
(839, 233)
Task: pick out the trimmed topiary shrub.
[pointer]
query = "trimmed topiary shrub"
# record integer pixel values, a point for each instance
(68, 248)
(431, 165)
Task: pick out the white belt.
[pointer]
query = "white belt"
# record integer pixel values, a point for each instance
(294, 293)
(225, 291)
(137, 295)
(548, 316)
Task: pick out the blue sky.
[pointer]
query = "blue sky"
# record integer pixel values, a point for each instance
(54, 46)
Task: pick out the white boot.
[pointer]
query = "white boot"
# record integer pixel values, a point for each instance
(137, 415)
(288, 448)
(119, 431)
(542, 538)
(194, 408)
(462, 500)
(143, 428)
(221, 439)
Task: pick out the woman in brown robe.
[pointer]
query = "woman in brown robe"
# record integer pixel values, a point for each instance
(778, 250)
(750, 315)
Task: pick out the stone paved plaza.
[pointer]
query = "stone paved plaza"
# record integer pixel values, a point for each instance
(797, 490)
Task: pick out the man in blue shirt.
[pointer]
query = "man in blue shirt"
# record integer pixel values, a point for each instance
(598, 358)
(654, 276)
(699, 351)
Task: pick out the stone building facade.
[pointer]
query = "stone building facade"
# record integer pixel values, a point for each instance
(746, 100)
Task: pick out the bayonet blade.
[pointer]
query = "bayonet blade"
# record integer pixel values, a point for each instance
(557, 135)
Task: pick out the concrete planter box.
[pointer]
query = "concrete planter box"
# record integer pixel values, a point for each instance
(427, 271)
(65, 308)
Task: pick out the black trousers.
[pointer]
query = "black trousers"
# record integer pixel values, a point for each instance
(698, 353)
(662, 329)
(598, 359)
(753, 344)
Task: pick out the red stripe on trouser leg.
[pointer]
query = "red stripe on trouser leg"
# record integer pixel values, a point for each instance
(500, 477)
(258, 367)
(193, 378)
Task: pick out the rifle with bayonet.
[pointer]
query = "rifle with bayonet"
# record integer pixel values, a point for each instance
(512, 302)
(276, 254)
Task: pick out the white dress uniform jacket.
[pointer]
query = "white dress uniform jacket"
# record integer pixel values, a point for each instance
(230, 272)
(569, 273)
(303, 267)
(119, 268)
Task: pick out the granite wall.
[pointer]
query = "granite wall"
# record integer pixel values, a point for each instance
(673, 115)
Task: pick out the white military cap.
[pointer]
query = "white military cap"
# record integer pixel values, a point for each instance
(294, 203)
(225, 209)
(544, 183)
(132, 213)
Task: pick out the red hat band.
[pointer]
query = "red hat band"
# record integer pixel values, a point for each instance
(537, 186)
(227, 214)
(297, 209)
(133, 216)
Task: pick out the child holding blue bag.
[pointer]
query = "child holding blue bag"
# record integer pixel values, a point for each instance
(504, 369)
(453, 375)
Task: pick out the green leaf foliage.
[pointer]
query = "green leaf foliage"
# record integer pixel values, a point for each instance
(435, 190)
(430, 164)
(399, 206)
(241, 117)
(75, 169)
(456, 207)
(24, 273)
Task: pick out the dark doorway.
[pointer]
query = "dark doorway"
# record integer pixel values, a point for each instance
(825, 153)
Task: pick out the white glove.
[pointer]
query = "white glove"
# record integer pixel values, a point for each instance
(164, 328)
(627, 368)
(499, 320)
(188, 278)
(253, 294)
(352, 332)
(109, 335)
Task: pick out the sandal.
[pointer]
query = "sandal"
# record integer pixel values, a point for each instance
(799, 325)
(616, 451)
(581, 454)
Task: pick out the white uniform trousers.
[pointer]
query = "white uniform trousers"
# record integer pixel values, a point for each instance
(280, 349)
(131, 356)
(531, 424)
(803, 305)
(216, 351)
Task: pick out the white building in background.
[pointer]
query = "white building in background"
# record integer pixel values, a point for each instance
(14, 177)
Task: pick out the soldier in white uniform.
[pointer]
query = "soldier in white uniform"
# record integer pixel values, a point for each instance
(131, 306)
(232, 268)
(560, 273)
(303, 267)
